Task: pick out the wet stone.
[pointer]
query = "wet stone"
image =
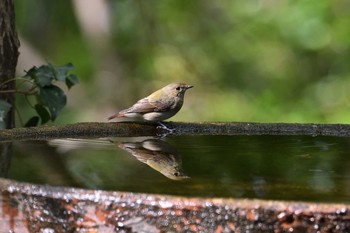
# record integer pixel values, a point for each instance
(200, 204)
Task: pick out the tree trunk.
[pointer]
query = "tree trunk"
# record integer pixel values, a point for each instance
(9, 45)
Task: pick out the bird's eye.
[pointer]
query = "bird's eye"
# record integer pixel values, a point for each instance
(178, 88)
(176, 174)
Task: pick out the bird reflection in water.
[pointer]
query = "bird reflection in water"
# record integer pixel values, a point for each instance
(157, 154)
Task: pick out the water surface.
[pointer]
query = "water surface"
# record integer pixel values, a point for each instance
(302, 168)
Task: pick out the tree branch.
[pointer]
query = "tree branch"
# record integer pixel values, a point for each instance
(11, 91)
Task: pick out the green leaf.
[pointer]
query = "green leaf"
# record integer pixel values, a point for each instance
(45, 74)
(53, 98)
(61, 72)
(42, 76)
(31, 73)
(32, 122)
(71, 80)
(43, 113)
(4, 109)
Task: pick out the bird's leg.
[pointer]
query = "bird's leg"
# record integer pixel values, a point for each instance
(163, 126)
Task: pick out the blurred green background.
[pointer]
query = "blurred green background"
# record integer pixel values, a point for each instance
(249, 60)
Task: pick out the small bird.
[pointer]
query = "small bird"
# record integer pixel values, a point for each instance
(157, 154)
(159, 105)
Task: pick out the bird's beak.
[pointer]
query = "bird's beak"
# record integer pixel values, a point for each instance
(188, 86)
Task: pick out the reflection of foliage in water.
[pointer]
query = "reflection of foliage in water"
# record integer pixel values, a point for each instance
(269, 167)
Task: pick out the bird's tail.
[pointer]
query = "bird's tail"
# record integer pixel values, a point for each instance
(115, 116)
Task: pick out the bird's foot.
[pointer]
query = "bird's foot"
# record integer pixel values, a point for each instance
(164, 127)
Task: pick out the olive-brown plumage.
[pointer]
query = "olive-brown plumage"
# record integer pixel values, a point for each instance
(158, 106)
(157, 154)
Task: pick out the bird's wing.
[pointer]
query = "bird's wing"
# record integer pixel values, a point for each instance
(141, 106)
(145, 106)
(163, 105)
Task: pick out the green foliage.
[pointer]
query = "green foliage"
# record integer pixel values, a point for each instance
(53, 98)
(33, 121)
(50, 99)
(270, 58)
(43, 113)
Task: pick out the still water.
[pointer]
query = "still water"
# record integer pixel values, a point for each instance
(299, 168)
